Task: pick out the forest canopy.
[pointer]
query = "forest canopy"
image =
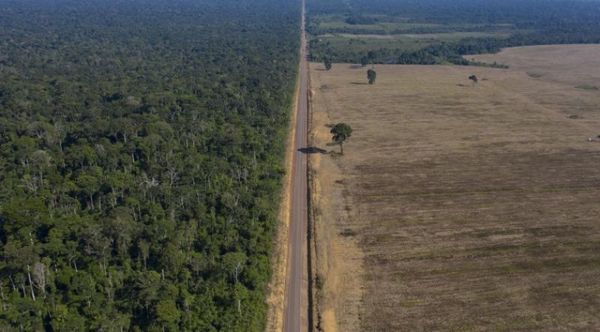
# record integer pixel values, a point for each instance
(140, 161)
(443, 31)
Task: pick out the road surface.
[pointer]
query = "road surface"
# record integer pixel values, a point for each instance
(296, 306)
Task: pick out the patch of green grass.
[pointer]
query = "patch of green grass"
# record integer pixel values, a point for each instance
(359, 44)
(587, 87)
(410, 303)
(407, 42)
(386, 27)
(518, 323)
(398, 25)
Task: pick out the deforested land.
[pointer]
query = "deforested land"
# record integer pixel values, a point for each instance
(460, 205)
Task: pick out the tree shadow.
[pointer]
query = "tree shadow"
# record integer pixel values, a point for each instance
(359, 83)
(320, 69)
(355, 66)
(313, 150)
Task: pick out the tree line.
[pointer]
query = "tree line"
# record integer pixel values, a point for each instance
(554, 22)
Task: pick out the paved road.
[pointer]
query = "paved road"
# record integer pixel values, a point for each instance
(296, 309)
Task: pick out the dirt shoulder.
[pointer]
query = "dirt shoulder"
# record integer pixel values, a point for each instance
(338, 281)
(279, 260)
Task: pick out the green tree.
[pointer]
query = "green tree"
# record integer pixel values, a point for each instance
(167, 313)
(371, 76)
(474, 79)
(341, 132)
(364, 61)
(327, 63)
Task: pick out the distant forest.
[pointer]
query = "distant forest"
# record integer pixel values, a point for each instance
(533, 22)
(140, 161)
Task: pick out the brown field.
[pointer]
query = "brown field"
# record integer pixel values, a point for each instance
(459, 207)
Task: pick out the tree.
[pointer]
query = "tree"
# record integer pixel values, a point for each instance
(327, 63)
(39, 276)
(167, 313)
(341, 132)
(371, 76)
(474, 79)
(364, 61)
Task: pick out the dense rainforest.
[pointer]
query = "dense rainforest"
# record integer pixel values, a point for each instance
(528, 22)
(140, 161)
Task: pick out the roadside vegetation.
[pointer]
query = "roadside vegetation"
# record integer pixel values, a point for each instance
(443, 31)
(140, 161)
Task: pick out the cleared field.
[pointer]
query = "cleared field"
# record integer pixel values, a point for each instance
(458, 206)
(571, 65)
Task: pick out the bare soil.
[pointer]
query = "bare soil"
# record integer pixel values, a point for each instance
(461, 206)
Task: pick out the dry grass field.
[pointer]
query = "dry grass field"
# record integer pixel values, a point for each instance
(461, 207)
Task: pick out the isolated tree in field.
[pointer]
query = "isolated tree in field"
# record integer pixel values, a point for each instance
(474, 79)
(341, 132)
(327, 63)
(371, 76)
